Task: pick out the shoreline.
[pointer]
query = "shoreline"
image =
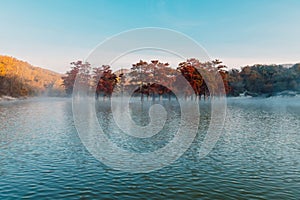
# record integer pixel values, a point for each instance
(6, 98)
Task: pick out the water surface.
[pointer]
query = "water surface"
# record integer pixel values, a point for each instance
(257, 156)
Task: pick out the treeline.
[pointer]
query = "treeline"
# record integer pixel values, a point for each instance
(19, 78)
(152, 79)
(156, 79)
(264, 80)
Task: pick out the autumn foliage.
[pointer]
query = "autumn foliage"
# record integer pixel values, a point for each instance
(152, 79)
(19, 78)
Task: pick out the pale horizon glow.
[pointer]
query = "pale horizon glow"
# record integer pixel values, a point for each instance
(52, 33)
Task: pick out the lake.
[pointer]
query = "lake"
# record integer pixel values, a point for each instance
(256, 157)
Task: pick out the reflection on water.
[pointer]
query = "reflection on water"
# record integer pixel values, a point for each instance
(258, 155)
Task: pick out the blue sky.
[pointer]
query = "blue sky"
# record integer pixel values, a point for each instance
(52, 33)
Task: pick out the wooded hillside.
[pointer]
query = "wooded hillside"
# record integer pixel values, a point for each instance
(19, 78)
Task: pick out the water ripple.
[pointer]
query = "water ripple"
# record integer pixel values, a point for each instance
(257, 157)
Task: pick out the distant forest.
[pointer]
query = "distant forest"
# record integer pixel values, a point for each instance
(256, 80)
(264, 80)
(19, 78)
